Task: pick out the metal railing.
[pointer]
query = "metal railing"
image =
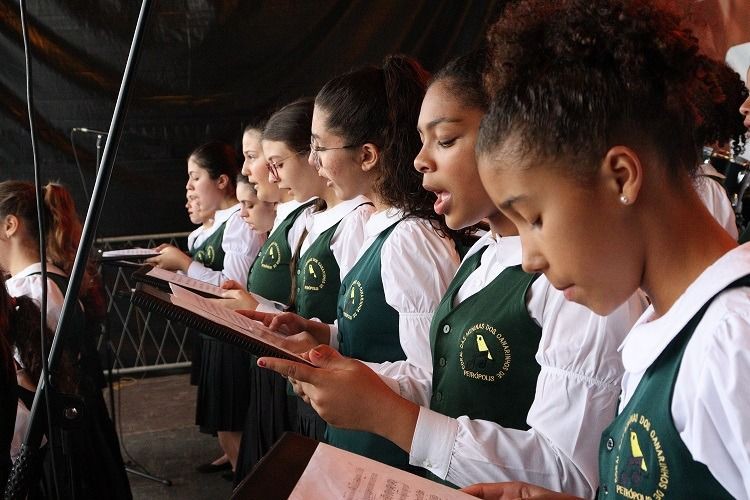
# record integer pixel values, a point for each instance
(135, 340)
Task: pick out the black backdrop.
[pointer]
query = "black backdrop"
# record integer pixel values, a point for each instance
(207, 67)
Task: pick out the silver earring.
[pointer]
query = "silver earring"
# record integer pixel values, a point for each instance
(624, 199)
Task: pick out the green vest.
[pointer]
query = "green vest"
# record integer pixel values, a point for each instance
(269, 275)
(641, 454)
(318, 279)
(368, 331)
(484, 349)
(210, 253)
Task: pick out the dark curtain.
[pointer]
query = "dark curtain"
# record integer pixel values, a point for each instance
(207, 68)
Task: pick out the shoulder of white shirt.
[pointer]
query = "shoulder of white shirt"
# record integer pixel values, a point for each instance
(650, 336)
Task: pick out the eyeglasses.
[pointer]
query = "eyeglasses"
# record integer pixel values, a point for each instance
(275, 165)
(315, 150)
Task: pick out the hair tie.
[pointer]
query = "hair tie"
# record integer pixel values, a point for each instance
(14, 303)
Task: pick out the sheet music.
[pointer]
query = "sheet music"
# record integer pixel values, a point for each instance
(264, 305)
(219, 314)
(185, 281)
(335, 473)
(130, 252)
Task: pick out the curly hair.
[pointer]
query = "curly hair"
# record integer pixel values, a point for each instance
(380, 105)
(20, 325)
(571, 78)
(722, 123)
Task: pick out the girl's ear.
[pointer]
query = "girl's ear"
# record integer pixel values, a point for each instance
(369, 156)
(222, 182)
(622, 171)
(10, 226)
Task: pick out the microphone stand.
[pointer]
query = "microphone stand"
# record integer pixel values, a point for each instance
(22, 472)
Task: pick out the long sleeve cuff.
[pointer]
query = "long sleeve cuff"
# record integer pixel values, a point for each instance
(432, 444)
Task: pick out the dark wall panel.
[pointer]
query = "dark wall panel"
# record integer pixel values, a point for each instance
(207, 67)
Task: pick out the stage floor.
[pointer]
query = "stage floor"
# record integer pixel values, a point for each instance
(156, 427)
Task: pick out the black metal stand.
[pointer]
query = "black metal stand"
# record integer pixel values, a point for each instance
(23, 469)
(165, 482)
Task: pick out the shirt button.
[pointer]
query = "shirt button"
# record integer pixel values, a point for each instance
(605, 489)
(610, 444)
(297, 271)
(446, 328)
(441, 361)
(439, 396)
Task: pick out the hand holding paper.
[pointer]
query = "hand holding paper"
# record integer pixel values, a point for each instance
(336, 388)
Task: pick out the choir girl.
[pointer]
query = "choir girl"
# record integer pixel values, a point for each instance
(499, 334)
(229, 247)
(365, 122)
(224, 251)
(8, 390)
(269, 275)
(259, 215)
(601, 191)
(724, 130)
(93, 453)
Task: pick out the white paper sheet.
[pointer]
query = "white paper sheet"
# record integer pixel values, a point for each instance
(219, 314)
(335, 473)
(264, 305)
(130, 252)
(185, 281)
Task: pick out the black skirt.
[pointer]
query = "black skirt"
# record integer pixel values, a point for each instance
(309, 422)
(87, 457)
(223, 387)
(270, 414)
(196, 345)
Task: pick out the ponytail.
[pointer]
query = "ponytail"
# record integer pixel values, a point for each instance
(64, 230)
(23, 329)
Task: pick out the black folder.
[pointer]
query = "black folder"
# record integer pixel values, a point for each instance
(160, 302)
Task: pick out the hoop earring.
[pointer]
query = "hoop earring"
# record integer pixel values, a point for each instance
(624, 199)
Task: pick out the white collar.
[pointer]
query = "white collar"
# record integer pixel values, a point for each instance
(37, 268)
(382, 220)
(221, 216)
(509, 247)
(648, 337)
(284, 209)
(320, 221)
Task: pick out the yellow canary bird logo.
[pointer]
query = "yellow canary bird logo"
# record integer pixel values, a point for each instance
(312, 271)
(635, 449)
(482, 346)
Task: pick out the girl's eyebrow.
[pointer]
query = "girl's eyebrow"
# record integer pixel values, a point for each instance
(437, 121)
(508, 203)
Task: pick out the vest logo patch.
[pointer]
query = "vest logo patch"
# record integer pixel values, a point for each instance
(315, 275)
(355, 299)
(272, 257)
(641, 469)
(206, 256)
(484, 353)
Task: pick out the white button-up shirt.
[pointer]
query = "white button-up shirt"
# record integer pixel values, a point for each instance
(416, 266)
(348, 237)
(240, 244)
(576, 393)
(711, 401)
